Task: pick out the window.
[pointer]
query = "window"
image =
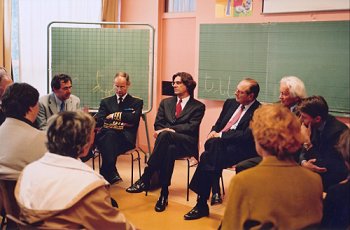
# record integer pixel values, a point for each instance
(29, 33)
(180, 6)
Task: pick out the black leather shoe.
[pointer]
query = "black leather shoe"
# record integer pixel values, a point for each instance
(115, 180)
(216, 199)
(197, 213)
(137, 187)
(161, 204)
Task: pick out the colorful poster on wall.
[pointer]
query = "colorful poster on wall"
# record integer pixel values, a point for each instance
(233, 8)
(242, 7)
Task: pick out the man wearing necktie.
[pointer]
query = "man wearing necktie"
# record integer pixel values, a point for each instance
(118, 117)
(61, 99)
(292, 92)
(229, 142)
(176, 132)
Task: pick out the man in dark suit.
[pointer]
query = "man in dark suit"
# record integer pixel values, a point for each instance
(229, 142)
(322, 132)
(176, 132)
(119, 117)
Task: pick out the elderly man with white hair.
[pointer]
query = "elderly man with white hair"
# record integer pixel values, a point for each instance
(292, 91)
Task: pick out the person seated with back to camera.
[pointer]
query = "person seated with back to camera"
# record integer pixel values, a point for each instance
(277, 193)
(21, 142)
(58, 190)
(336, 209)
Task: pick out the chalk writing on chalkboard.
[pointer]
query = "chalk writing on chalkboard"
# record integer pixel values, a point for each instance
(316, 52)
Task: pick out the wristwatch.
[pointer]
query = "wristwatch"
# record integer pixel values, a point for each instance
(307, 145)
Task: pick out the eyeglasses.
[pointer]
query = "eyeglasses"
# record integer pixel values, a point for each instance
(176, 83)
(241, 92)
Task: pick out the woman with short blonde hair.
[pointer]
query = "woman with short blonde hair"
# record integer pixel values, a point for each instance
(277, 193)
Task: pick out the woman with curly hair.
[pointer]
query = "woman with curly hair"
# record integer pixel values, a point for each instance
(278, 193)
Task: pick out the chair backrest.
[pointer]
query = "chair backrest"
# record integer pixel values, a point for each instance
(7, 188)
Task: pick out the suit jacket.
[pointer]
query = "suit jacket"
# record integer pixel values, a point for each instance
(242, 136)
(325, 152)
(128, 115)
(277, 192)
(187, 123)
(21, 144)
(48, 107)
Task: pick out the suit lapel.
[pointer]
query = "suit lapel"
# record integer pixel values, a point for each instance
(172, 106)
(69, 104)
(114, 104)
(52, 104)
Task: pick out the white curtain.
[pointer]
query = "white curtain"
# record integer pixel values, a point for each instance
(34, 17)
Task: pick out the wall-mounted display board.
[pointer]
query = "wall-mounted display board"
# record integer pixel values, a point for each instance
(316, 52)
(288, 6)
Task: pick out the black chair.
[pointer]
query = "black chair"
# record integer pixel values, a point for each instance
(191, 162)
(97, 154)
(10, 206)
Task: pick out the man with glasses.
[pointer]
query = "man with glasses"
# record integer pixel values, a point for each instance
(59, 100)
(176, 132)
(119, 118)
(229, 142)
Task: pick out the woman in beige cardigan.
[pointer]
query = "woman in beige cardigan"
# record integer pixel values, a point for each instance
(277, 193)
(58, 190)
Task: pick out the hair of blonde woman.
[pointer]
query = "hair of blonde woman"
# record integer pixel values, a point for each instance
(69, 132)
(295, 85)
(277, 130)
(343, 146)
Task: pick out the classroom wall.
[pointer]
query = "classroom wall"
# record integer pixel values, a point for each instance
(177, 45)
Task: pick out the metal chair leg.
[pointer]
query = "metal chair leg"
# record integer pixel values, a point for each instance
(222, 184)
(132, 168)
(188, 178)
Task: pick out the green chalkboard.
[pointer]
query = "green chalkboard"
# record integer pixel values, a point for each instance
(316, 52)
(92, 57)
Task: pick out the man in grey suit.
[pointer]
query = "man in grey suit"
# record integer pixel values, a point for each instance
(176, 132)
(21, 142)
(59, 100)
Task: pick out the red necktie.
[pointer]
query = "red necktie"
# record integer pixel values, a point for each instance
(178, 109)
(233, 120)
